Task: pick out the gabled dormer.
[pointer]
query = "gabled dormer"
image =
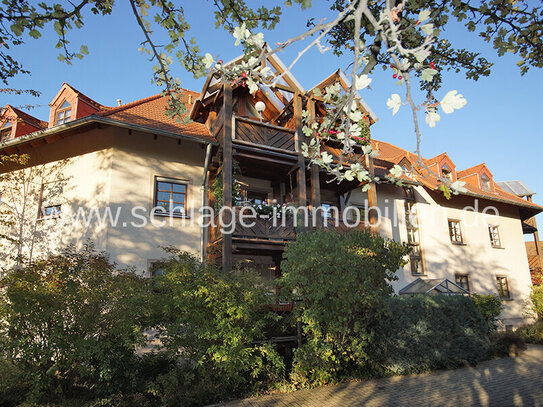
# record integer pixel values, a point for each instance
(443, 166)
(16, 123)
(478, 176)
(69, 104)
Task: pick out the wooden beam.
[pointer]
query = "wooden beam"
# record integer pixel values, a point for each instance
(372, 195)
(315, 172)
(302, 193)
(227, 175)
(283, 87)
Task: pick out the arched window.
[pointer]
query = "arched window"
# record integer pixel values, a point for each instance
(64, 113)
(5, 131)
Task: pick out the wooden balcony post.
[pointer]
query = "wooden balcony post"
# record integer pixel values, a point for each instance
(372, 195)
(227, 175)
(302, 193)
(315, 177)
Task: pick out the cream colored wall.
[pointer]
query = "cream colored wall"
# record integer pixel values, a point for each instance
(476, 256)
(112, 168)
(137, 159)
(83, 166)
(443, 259)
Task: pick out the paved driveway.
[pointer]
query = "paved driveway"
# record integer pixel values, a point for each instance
(501, 382)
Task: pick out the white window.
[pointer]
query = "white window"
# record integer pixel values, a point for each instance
(485, 183)
(5, 132)
(64, 113)
(446, 173)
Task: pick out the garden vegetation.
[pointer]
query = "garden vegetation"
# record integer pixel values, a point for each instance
(75, 330)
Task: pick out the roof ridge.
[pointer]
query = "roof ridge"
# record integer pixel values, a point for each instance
(129, 105)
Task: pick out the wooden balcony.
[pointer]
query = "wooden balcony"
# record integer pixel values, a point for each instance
(264, 230)
(263, 135)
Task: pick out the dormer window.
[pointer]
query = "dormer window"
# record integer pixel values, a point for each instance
(5, 132)
(485, 183)
(64, 113)
(446, 173)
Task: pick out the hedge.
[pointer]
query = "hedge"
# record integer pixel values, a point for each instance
(424, 333)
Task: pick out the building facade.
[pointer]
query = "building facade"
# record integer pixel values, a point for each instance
(132, 181)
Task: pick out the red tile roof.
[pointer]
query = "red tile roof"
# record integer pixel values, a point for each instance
(150, 112)
(469, 171)
(33, 121)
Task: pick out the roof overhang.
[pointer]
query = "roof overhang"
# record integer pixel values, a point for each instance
(92, 119)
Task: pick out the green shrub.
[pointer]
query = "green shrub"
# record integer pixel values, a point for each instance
(13, 386)
(342, 283)
(214, 323)
(490, 307)
(532, 333)
(424, 333)
(71, 322)
(506, 344)
(537, 300)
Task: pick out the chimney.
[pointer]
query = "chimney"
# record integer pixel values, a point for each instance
(119, 102)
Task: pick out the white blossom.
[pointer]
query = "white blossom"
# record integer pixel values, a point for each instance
(424, 15)
(362, 82)
(452, 100)
(432, 118)
(394, 102)
(207, 60)
(241, 33)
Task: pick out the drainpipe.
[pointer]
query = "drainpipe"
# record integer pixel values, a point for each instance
(205, 182)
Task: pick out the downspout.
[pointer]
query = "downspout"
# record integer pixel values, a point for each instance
(205, 182)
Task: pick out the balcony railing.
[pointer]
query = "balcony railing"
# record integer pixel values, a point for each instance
(267, 229)
(264, 134)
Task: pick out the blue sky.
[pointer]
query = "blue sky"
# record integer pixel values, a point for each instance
(499, 126)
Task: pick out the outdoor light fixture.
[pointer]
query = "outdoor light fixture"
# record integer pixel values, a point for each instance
(260, 107)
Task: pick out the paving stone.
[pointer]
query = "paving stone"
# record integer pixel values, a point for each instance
(495, 383)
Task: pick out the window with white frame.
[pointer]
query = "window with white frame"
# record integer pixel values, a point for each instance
(64, 113)
(446, 173)
(485, 183)
(494, 232)
(5, 131)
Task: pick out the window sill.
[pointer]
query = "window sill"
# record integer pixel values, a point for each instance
(498, 247)
(49, 217)
(507, 299)
(459, 243)
(167, 215)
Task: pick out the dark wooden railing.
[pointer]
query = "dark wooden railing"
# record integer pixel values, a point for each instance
(265, 229)
(264, 135)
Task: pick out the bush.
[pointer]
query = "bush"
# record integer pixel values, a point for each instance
(490, 307)
(13, 386)
(506, 344)
(424, 333)
(532, 333)
(537, 300)
(342, 283)
(214, 323)
(71, 322)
